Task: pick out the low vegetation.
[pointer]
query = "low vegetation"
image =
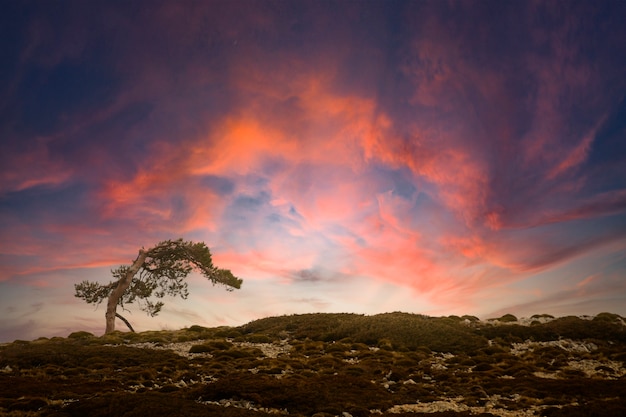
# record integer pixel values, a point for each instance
(393, 364)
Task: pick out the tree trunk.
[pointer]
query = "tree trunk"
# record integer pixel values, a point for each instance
(122, 286)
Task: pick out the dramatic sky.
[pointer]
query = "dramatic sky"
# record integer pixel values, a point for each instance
(434, 157)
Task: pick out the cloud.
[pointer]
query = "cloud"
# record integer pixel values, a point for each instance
(602, 204)
(591, 296)
(11, 331)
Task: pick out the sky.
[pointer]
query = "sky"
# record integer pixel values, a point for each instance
(431, 157)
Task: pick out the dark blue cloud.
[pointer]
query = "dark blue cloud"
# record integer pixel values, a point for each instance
(222, 186)
(49, 97)
(247, 209)
(40, 205)
(14, 21)
(400, 181)
(608, 151)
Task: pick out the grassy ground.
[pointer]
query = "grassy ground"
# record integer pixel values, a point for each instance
(327, 365)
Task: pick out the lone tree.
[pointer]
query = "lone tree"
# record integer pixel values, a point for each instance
(155, 272)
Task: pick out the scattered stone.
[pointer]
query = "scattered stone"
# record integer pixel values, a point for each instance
(248, 405)
(270, 350)
(453, 404)
(568, 345)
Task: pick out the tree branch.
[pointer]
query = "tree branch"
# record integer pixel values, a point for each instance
(119, 316)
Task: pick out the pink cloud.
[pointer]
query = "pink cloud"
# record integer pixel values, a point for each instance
(587, 281)
(33, 167)
(575, 157)
(601, 204)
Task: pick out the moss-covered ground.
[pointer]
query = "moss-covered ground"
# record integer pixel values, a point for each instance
(327, 365)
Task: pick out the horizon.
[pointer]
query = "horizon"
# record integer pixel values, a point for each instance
(496, 321)
(464, 158)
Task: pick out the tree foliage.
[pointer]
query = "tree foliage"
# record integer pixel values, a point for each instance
(157, 272)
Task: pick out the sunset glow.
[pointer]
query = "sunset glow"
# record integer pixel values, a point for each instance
(429, 157)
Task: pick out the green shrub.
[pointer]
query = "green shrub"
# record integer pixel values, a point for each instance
(385, 344)
(507, 318)
(238, 353)
(608, 317)
(184, 338)
(197, 329)
(27, 405)
(354, 370)
(423, 349)
(542, 316)
(359, 346)
(256, 338)
(313, 347)
(161, 336)
(300, 326)
(211, 346)
(115, 338)
(220, 344)
(337, 347)
(169, 388)
(80, 335)
(572, 373)
(492, 350)
(576, 328)
(201, 348)
(134, 337)
(515, 332)
(228, 332)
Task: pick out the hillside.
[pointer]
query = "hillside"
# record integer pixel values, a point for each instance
(393, 364)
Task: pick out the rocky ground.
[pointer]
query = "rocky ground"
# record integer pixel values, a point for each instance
(328, 365)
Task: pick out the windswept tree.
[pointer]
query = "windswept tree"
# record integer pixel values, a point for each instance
(155, 273)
